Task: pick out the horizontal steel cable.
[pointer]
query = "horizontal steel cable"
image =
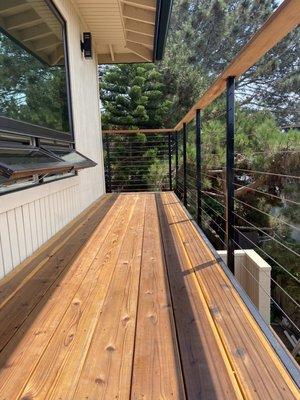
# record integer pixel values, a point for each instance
(267, 173)
(268, 255)
(266, 234)
(268, 215)
(271, 298)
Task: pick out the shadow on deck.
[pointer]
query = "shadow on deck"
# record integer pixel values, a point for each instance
(129, 302)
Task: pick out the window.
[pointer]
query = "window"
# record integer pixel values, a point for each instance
(34, 94)
(78, 160)
(19, 162)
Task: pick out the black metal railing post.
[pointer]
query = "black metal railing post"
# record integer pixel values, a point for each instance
(198, 165)
(230, 117)
(176, 162)
(184, 139)
(170, 160)
(108, 165)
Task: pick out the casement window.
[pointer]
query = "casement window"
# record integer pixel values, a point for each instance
(36, 132)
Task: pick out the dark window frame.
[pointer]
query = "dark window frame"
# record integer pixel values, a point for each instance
(56, 165)
(24, 171)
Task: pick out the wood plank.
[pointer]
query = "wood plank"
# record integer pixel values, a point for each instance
(260, 373)
(81, 315)
(20, 356)
(146, 4)
(139, 38)
(28, 295)
(134, 131)
(206, 369)
(108, 376)
(156, 371)
(23, 272)
(279, 24)
(139, 27)
(142, 51)
(139, 14)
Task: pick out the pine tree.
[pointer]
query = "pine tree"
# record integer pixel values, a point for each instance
(133, 96)
(203, 38)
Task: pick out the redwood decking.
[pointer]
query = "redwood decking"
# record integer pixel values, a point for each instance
(129, 303)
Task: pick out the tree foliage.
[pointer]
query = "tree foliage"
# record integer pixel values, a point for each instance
(30, 90)
(205, 36)
(133, 96)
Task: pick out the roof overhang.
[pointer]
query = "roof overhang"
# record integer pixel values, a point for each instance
(126, 31)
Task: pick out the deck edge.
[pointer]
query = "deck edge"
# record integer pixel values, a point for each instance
(281, 352)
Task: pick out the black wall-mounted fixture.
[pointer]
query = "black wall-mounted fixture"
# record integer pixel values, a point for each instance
(86, 45)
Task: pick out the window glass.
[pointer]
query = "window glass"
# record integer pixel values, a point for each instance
(6, 138)
(33, 84)
(67, 154)
(16, 186)
(16, 157)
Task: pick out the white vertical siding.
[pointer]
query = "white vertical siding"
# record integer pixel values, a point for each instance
(25, 228)
(30, 217)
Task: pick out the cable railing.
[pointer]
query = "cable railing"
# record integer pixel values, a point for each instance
(240, 205)
(138, 161)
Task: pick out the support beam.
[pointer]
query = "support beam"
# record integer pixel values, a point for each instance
(119, 58)
(140, 50)
(13, 6)
(145, 4)
(46, 43)
(139, 27)
(111, 50)
(57, 56)
(184, 139)
(198, 166)
(34, 32)
(139, 38)
(230, 220)
(138, 14)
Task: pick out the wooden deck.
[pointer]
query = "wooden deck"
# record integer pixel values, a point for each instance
(128, 302)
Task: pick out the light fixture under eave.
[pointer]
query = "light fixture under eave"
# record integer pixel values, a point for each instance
(86, 45)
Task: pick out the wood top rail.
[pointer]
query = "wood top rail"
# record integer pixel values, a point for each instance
(277, 26)
(145, 131)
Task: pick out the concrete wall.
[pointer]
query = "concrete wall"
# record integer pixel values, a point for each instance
(28, 218)
(254, 274)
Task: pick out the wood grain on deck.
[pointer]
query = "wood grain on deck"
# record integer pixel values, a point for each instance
(128, 302)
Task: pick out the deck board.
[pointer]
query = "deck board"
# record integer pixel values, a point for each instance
(78, 323)
(107, 368)
(157, 371)
(258, 371)
(128, 302)
(205, 366)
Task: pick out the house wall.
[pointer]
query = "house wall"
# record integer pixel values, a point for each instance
(28, 218)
